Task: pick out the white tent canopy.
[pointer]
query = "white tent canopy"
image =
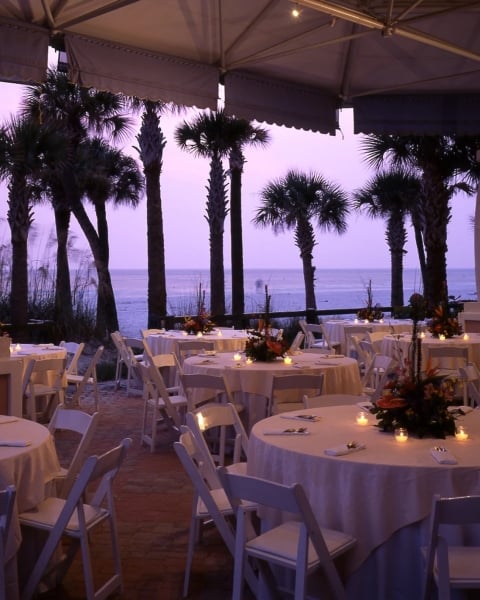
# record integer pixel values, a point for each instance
(405, 66)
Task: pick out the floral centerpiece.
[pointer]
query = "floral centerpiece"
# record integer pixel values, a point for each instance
(200, 323)
(442, 324)
(261, 344)
(415, 400)
(370, 312)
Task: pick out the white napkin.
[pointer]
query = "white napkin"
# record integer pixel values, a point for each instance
(444, 457)
(311, 418)
(344, 449)
(289, 431)
(15, 443)
(367, 406)
(7, 419)
(461, 410)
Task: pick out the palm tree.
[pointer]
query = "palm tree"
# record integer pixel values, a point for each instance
(442, 161)
(240, 133)
(105, 173)
(76, 112)
(206, 136)
(151, 144)
(25, 149)
(301, 201)
(390, 195)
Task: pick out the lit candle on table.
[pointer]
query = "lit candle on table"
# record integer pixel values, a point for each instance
(237, 357)
(18, 347)
(249, 361)
(184, 333)
(466, 336)
(219, 333)
(287, 360)
(199, 334)
(355, 321)
(401, 435)
(422, 335)
(461, 433)
(362, 418)
(441, 337)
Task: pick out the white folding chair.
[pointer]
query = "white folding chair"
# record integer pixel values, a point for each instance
(45, 388)
(126, 357)
(81, 381)
(159, 407)
(287, 391)
(187, 348)
(7, 506)
(360, 331)
(205, 388)
(470, 376)
(300, 544)
(82, 426)
(73, 518)
(451, 566)
(447, 358)
(146, 332)
(167, 364)
(376, 376)
(74, 351)
(218, 418)
(297, 342)
(210, 502)
(376, 338)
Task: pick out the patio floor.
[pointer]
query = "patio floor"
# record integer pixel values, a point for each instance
(153, 501)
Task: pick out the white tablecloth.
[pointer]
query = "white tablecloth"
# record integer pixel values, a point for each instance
(341, 375)
(382, 495)
(29, 468)
(225, 340)
(398, 347)
(336, 328)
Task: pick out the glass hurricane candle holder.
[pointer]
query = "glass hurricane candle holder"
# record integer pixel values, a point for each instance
(461, 433)
(287, 360)
(401, 435)
(362, 418)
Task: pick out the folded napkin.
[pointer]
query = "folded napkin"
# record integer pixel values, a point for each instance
(344, 449)
(366, 406)
(460, 410)
(289, 431)
(15, 443)
(311, 418)
(443, 456)
(7, 419)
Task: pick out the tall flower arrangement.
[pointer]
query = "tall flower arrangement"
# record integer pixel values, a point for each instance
(416, 400)
(200, 322)
(442, 324)
(370, 312)
(261, 344)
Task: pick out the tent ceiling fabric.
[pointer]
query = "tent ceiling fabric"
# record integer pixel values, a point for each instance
(367, 54)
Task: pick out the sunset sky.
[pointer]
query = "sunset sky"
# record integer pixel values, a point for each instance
(183, 184)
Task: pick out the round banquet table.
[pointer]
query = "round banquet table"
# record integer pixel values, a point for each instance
(341, 375)
(335, 328)
(30, 468)
(382, 495)
(397, 346)
(224, 340)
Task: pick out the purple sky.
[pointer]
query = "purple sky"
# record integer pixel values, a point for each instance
(184, 182)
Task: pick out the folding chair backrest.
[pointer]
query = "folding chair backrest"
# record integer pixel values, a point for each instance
(219, 416)
(89, 377)
(202, 388)
(154, 387)
(74, 351)
(186, 348)
(7, 505)
(287, 499)
(84, 425)
(297, 385)
(297, 342)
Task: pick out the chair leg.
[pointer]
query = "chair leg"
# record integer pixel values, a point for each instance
(192, 539)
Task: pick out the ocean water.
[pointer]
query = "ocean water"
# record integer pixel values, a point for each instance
(335, 288)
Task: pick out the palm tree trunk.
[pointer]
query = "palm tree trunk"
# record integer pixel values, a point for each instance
(236, 234)
(304, 239)
(396, 236)
(437, 217)
(106, 319)
(19, 221)
(216, 213)
(63, 292)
